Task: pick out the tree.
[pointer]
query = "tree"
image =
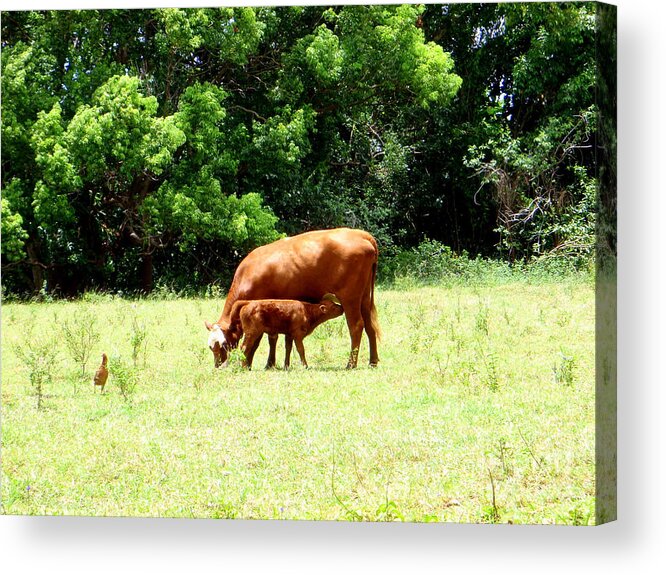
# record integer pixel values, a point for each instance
(364, 77)
(530, 136)
(116, 180)
(163, 144)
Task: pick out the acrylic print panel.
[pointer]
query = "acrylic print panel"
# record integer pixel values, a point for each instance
(147, 152)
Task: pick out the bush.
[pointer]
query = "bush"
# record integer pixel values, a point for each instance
(38, 355)
(125, 376)
(80, 335)
(433, 263)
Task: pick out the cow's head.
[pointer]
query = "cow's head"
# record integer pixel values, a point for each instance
(220, 341)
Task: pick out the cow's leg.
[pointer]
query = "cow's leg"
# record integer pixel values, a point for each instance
(301, 351)
(369, 315)
(249, 347)
(272, 345)
(355, 325)
(288, 341)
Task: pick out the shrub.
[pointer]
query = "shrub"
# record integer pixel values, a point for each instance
(80, 335)
(38, 355)
(433, 263)
(124, 375)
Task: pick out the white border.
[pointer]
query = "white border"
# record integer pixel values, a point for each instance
(632, 544)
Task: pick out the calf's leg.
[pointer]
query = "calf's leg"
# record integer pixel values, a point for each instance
(250, 344)
(272, 345)
(288, 341)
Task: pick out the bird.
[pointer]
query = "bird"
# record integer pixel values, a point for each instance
(101, 374)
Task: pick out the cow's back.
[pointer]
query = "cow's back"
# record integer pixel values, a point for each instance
(305, 267)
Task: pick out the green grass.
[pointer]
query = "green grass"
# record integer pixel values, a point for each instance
(481, 410)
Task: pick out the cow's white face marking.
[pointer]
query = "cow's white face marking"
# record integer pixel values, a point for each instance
(216, 335)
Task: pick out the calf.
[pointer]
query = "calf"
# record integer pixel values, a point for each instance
(295, 319)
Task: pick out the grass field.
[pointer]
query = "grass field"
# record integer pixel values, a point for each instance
(481, 410)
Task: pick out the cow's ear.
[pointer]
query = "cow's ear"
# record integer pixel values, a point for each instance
(209, 326)
(322, 307)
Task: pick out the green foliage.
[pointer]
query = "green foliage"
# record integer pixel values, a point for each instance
(138, 339)
(80, 334)
(389, 511)
(25, 92)
(38, 352)
(200, 117)
(564, 370)
(158, 146)
(542, 177)
(125, 376)
(384, 40)
(13, 234)
(233, 32)
(324, 56)
(283, 139)
(433, 263)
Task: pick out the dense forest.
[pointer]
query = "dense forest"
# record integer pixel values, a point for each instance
(158, 146)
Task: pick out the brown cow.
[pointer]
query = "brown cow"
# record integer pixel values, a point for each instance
(305, 267)
(295, 319)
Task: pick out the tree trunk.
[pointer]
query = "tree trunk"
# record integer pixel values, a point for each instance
(37, 269)
(146, 271)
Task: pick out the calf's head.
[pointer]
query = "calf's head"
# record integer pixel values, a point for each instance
(330, 307)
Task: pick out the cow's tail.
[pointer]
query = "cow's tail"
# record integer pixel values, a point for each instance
(374, 319)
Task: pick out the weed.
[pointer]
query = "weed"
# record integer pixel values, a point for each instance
(164, 292)
(442, 370)
(422, 341)
(38, 355)
(214, 291)
(416, 316)
(563, 318)
(138, 339)
(577, 516)
(200, 374)
(482, 316)
(458, 312)
(529, 446)
(563, 372)
(422, 330)
(125, 376)
(491, 513)
(223, 510)
(388, 511)
(490, 363)
(323, 355)
(504, 451)
(463, 372)
(96, 297)
(351, 514)
(80, 335)
(235, 359)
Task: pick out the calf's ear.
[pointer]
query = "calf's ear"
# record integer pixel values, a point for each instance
(322, 308)
(331, 297)
(209, 326)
